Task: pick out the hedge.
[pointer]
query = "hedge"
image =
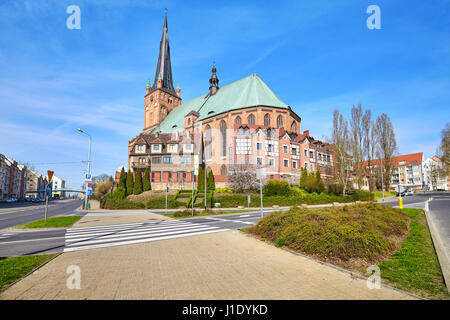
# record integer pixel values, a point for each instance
(160, 203)
(122, 204)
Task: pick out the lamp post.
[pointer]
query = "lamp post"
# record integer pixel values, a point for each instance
(88, 166)
(204, 162)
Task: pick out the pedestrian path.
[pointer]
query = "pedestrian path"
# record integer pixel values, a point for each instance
(121, 234)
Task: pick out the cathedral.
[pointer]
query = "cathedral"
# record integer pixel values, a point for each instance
(242, 125)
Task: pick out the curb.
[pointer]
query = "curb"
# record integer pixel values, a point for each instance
(444, 260)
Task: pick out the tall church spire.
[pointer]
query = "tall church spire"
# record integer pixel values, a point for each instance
(163, 76)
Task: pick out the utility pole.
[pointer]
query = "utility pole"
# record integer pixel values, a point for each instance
(88, 167)
(205, 180)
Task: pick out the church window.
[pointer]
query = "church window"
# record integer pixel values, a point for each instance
(279, 122)
(223, 134)
(208, 141)
(267, 120)
(238, 120)
(294, 126)
(251, 119)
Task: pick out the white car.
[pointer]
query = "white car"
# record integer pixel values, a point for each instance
(409, 193)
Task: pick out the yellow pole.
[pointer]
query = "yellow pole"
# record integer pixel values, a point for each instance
(400, 202)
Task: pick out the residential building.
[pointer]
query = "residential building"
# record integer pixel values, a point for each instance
(434, 177)
(57, 184)
(12, 178)
(36, 183)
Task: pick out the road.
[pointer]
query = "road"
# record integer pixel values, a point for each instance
(19, 213)
(62, 240)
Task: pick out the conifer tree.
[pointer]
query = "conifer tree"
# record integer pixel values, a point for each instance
(146, 181)
(303, 178)
(130, 183)
(201, 179)
(210, 181)
(320, 187)
(123, 179)
(137, 189)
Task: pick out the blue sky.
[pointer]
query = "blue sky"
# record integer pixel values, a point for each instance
(315, 55)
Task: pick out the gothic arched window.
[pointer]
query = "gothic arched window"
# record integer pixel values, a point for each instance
(238, 120)
(279, 122)
(267, 120)
(223, 170)
(208, 151)
(251, 119)
(294, 126)
(223, 134)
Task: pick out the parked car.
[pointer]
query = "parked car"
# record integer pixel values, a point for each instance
(35, 200)
(409, 193)
(401, 194)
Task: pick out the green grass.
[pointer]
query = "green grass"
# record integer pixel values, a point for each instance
(15, 268)
(379, 195)
(415, 267)
(53, 222)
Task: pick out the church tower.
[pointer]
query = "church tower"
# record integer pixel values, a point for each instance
(161, 97)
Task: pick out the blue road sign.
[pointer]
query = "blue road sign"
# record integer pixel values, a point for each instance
(89, 192)
(48, 190)
(88, 176)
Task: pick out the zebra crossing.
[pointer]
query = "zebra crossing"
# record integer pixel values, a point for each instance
(84, 238)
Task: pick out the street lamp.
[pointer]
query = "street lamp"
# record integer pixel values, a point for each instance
(88, 166)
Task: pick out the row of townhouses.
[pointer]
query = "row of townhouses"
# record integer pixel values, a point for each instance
(19, 181)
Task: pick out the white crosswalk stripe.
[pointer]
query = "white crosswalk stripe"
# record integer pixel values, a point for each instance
(113, 235)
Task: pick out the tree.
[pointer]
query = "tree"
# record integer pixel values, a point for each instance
(146, 181)
(356, 127)
(123, 179)
(370, 143)
(303, 178)
(130, 183)
(319, 183)
(210, 181)
(387, 146)
(443, 151)
(242, 178)
(341, 145)
(101, 178)
(137, 188)
(201, 179)
(102, 188)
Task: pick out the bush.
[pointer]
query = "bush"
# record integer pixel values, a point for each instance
(362, 231)
(137, 188)
(335, 188)
(122, 204)
(130, 183)
(160, 203)
(275, 187)
(223, 190)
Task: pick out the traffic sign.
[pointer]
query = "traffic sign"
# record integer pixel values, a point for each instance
(88, 176)
(48, 190)
(50, 175)
(89, 192)
(89, 185)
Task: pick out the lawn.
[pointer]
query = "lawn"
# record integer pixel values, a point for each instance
(415, 267)
(379, 195)
(52, 222)
(15, 268)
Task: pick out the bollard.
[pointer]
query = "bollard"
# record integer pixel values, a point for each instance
(400, 202)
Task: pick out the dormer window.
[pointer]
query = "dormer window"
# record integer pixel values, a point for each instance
(189, 121)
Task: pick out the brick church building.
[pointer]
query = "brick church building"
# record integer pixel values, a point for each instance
(240, 125)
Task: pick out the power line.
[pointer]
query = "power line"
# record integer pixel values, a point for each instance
(45, 163)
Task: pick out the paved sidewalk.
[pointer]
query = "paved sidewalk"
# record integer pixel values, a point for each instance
(227, 265)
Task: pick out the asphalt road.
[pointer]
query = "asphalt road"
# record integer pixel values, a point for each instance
(45, 242)
(19, 213)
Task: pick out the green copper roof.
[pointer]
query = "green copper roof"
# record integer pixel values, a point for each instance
(248, 92)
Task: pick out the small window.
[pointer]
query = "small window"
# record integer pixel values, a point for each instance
(189, 121)
(294, 164)
(285, 149)
(259, 161)
(258, 146)
(271, 162)
(306, 152)
(156, 147)
(286, 163)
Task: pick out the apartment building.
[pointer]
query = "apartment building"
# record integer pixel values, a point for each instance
(12, 178)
